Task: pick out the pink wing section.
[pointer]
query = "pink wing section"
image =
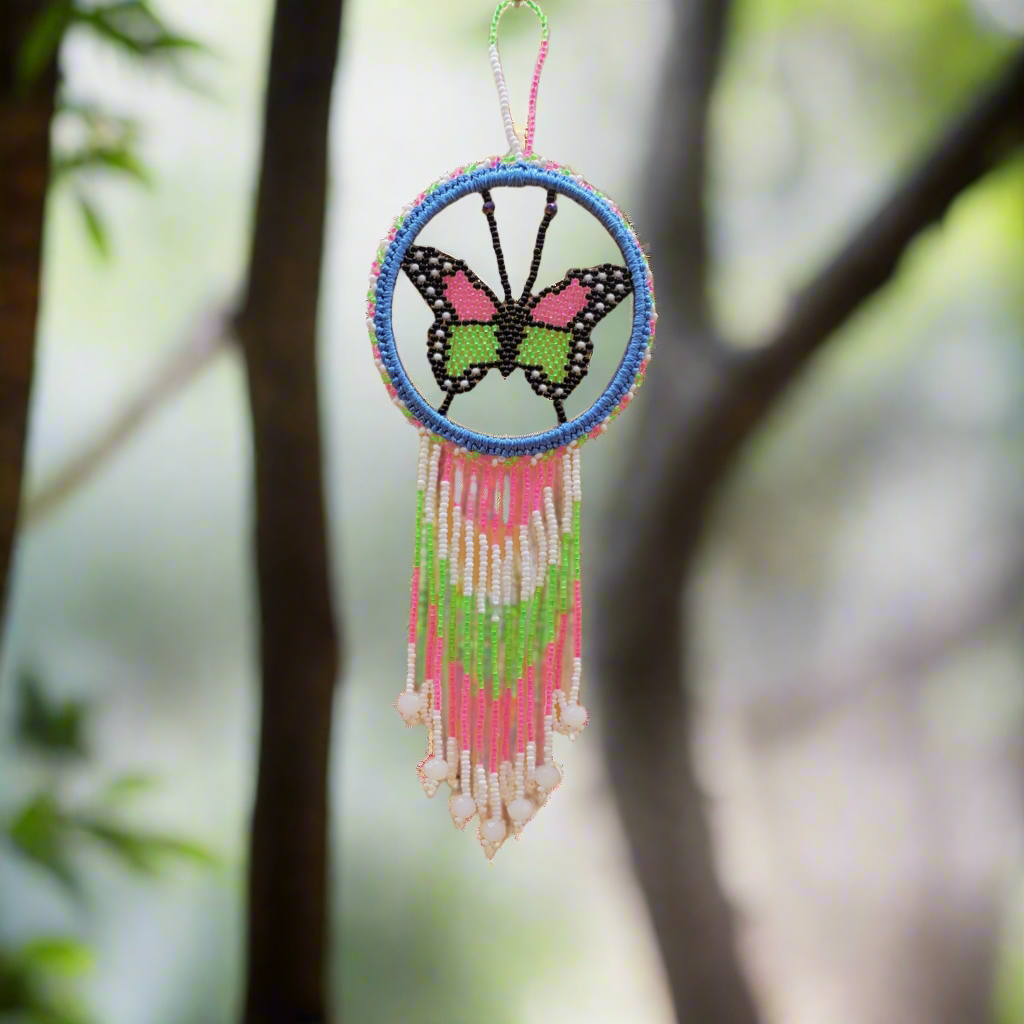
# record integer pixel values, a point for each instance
(470, 303)
(558, 309)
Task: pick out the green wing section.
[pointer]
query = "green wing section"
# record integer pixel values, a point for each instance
(469, 345)
(548, 349)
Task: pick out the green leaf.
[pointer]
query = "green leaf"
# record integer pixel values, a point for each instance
(40, 833)
(120, 158)
(142, 852)
(94, 226)
(126, 787)
(97, 118)
(47, 726)
(15, 991)
(116, 157)
(132, 25)
(62, 956)
(41, 43)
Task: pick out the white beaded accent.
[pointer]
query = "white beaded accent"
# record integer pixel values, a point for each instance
(442, 524)
(438, 744)
(577, 480)
(526, 567)
(467, 577)
(542, 550)
(520, 810)
(453, 763)
(457, 564)
(506, 776)
(577, 673)
(421, 466)
(494, 792)
(506, 572)
(566, 494)
(409, 706)
(496, 568)
(548, 777)
(431, 503)
(410, 667)
(462, 808)
(552, 526)
(480, 789)
(503, 101)
(435, 768)
(481, 589)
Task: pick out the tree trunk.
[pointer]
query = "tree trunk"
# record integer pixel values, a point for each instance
(702, 404)
(288, 892)
(24, 178)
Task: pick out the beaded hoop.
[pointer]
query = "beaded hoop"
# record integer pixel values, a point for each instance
(384, 273)
(495, 640)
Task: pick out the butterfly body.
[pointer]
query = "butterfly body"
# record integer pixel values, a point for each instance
(546, 335)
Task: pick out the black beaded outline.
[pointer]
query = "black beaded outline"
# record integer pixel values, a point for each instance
(428, 268)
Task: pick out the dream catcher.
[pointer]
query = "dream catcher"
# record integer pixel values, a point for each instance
(495, 625)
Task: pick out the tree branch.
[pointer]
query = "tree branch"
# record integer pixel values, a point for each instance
(24, 177)
(182, 365)
(907, 655)
(646, 715)
(288, 895)
(678, 164)
(979, 140)
(700, 407)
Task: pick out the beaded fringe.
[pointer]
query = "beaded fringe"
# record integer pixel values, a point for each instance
(495, 587)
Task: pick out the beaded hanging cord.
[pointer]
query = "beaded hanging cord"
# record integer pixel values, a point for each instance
(495, 619)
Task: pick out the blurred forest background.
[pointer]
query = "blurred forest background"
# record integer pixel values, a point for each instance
(819, 821)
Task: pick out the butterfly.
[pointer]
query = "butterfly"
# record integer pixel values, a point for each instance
(546, 335)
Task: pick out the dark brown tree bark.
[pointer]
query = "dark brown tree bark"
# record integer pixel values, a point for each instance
(24, 178)
(703, 402)
(288, 891)
(645, 708)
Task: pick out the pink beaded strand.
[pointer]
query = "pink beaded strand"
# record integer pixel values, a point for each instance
(531, 117)
(506, 726)
(495, 728)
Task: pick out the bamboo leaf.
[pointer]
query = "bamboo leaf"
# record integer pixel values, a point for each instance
(42, 42)
(133, 25)
(94, 226)
(143, 852)
(120, 158)
(125, 788)
(40, 833)
(59, 955)
(50, 727)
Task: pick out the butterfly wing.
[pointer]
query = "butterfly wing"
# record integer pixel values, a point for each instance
(462, 342)
(556, 348)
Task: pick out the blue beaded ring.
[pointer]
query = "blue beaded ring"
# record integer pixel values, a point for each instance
(477, 178)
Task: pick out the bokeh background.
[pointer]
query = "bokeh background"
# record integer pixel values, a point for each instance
(859, 598)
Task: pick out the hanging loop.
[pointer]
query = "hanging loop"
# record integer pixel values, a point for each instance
(520, 143)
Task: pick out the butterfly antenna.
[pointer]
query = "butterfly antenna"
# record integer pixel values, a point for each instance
(496, 242)
(447, 402)
(549, 215)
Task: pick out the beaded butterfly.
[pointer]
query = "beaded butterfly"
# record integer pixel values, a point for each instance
(546, 335)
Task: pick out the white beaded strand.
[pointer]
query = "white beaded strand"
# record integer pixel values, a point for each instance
(552, 526)
(566, 494)
(515, 148)
(542, 551)
(526, 568)
(481, 588)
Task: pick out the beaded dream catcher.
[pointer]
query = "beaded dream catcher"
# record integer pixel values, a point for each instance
(495, 624)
